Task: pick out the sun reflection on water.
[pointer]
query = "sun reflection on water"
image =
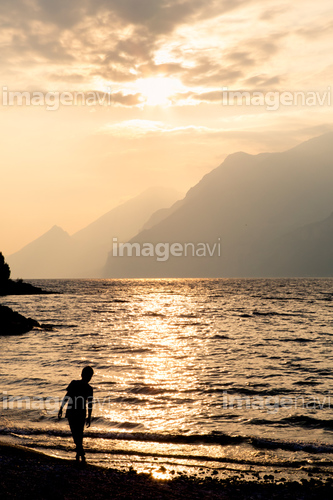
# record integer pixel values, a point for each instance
(153, 361)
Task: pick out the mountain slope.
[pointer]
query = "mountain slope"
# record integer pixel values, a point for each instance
(305, 252)
(248, 202)
(58, 255)
(43, 257)
(93, 243)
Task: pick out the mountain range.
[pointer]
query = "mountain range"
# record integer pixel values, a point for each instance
(56, 254)
(262, 215)
(271, 214)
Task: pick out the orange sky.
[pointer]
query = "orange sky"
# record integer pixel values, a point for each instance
(165, 63)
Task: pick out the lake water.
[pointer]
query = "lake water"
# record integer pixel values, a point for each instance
(204, 376)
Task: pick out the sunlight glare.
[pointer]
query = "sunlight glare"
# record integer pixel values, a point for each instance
(158, 90)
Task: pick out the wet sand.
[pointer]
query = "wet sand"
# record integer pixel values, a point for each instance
(26, 474)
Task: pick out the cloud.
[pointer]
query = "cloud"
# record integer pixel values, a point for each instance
(213, 96)
(157, 16)
(116, 39)
(266, 46)
(273, 12)
(66, 76)
(126, 99)
(264, 81)
(316, 31)
(152, 69)
(209, 72)
(205, 44)
(138, 128)
(163, 16)
(241, 57)
(194, 98)
(230, 65)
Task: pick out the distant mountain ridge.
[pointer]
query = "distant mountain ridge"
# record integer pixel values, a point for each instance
(44, 257)
(56, 254)
(271, 214)
(307, 251)
(250, 202)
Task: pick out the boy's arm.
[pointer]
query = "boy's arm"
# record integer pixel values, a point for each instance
(63, 402)
(89, 405)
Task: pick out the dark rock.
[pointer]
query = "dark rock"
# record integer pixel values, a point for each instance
(13, 323)
(19, 287)
(10, 287)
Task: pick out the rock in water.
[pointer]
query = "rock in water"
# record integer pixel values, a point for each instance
(13, 323)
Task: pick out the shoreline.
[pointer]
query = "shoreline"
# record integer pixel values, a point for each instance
(28, 474)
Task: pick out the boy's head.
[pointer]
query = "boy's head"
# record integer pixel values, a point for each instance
(87, 373)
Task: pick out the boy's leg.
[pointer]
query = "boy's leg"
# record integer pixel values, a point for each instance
(76, 425)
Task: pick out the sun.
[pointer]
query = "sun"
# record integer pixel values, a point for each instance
(158, 90)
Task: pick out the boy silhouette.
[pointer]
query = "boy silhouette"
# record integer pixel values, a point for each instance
(79, 397)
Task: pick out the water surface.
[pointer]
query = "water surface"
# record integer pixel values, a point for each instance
(225, 374)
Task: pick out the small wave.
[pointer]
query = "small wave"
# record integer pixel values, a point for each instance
(126, 425)
(243, 391)
(284, 298)
(56, 326)
(128, 400)
(190, 323)
(101, 311)
(275, 298)
(300, 339)
(100, 347)
(154, 314)
(295, 421)
(215, 438)
(327, 296)
(291, 446)
(307, 382)
(273, 313)
(307, 422)
(126, 350)
(148, 390)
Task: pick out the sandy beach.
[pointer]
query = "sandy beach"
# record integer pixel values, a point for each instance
(28, 474)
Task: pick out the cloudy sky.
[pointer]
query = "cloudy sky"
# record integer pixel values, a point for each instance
(160, 66)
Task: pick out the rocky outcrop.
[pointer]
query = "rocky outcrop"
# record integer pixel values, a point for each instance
(19, 287)
(13, 323)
